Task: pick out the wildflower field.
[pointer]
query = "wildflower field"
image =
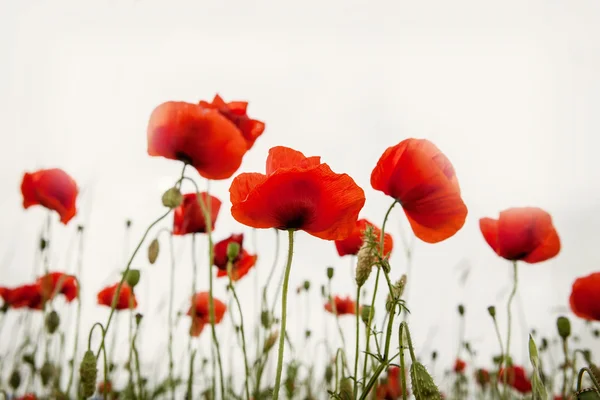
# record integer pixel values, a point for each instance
(294, 195)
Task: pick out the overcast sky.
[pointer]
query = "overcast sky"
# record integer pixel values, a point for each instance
(509, 91)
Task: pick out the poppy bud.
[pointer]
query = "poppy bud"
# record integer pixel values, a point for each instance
(328, 374)
(128, 223)
(43, 244)
(434, 355)
(596, 332)
(492, 311)
(233, 250)
(544, 345)
(423, 386)
(270, 341)
(329, 272)
(461, 310)
(133, 277)
(4, 308)
(346, 389)
(138, 319)
(323, 290)
(306, 285)
(29, 359)
(533, 353)
(46, 373)
(307, 333)
(52, 321)
(364, 313)
(564, 327)
(153, 250)
(265, 319)
(88, 374)
(79, 228)
(172, 198)
(15, 379)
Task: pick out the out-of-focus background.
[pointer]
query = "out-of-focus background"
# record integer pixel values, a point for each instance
(509, 91)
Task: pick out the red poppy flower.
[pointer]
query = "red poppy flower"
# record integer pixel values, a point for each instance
(420, 177)
(106, 295)
(67, 285)
(200, 313)
(241, 264)
(516, 378)
(28, 396)
(24, 296)
(53, 189)
(212, 137)
(353, 243)
(522, 234)
(482, 377)
(391, 387)
(459, 366)
(585, 297)
(101, 388)
(235, 111)
(188, 216)
(297, 193)
(342, 306)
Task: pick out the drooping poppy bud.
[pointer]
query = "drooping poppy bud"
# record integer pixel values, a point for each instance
(153, 251)
(233, 250)
(132, 277)
(88, 373)
(492, 311)
(365, 312)
(52, 321)
(328, 374)
(172, 198)
(423, 386)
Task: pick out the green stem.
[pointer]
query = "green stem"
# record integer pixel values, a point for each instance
(194, 278)
(509, 314)
(102, 348)
(357, 347)
(211, 303)
(337, 322)
(502, 355)
(286, 279)
(239, 306)
(402, 365)
(172, 290)
(565, 346)
(369, 323)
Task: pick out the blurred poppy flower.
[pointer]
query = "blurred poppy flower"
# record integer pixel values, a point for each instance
(522, 234)
(212, 137)
(420, 177)
(24, 296)
(103, 390)
(241, 265)
(585, 297)
(200, 312)
(516, 378)
(297, 193)
(28, 396)
(391, 387)
(66, 285)
(53, 189)
(352, 243)
(106, 295)
(482, 377)
(459, 366)
(235, 111)
(342, 306)
(188, 216)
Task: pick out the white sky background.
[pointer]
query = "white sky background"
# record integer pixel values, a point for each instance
(509, 91)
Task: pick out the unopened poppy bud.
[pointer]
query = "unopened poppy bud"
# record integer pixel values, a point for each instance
(492, 311)
(237, 329)
(138, 319)
(346, 389)
(265, 319)
(233, 250)
(270, 341)
(133, 277)
(172, 198)
(29, 358)
(434, 355)
(544, 344)
(79, 228)
(323, 290)
(128, 223)
(364, 264)
(461, 310)
(533, 353)
(46, 373)
(88, 374)
(153, 250)
(306, 285)
(328, 374)
(596, 332)
(329, 272)
(423, 386)
(564, 327)
(15, 379)
(52, 321)
(365, 313)
(43, 244)
(307, 333)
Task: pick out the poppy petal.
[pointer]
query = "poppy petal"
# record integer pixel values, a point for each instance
(284, 157)
(243, 184)
(489, 229)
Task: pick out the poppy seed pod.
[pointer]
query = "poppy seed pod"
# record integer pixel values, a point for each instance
(153, 251)
(133, 277)
(492, 311)
(329, 272)
(52, 321)
(88, 374)
(423, 386)
(172, 198)
(564, 327)
(233, 250)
